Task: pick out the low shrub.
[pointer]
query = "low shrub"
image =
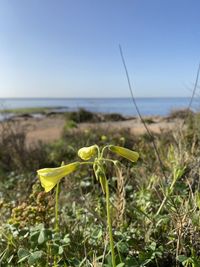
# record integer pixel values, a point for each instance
(81, 115)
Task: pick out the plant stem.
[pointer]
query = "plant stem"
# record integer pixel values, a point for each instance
(56, 227)
(110, 224)
(56, 209)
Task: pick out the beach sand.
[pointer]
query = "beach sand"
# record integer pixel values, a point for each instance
(49, 128)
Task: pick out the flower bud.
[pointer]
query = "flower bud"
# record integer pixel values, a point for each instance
(104, 138)
(86, 153)
(124, 152)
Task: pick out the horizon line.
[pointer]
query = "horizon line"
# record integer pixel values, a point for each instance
(124, 97)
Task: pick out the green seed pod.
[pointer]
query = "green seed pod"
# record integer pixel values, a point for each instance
(124, 152)
(86, 153)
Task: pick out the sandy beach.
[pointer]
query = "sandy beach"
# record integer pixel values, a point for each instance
(49, 128)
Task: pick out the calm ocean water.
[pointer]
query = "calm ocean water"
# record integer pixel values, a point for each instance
(124, 106)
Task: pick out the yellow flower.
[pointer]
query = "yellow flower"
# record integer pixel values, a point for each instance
(103, 138)
(124, 152)
(49, 177)
(86, 153)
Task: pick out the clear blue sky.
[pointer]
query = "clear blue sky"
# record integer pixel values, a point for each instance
(69, 48)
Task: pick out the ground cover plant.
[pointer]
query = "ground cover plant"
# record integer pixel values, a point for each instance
(154, 210)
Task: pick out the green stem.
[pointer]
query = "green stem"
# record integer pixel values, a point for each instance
(98, 151)
(102, 152)
(109, 160)
(56, 227)
(110, 225)
(86, 162)
(57, 209)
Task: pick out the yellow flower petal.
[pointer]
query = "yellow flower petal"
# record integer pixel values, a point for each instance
(49, 177)
(124, 152)
(86, 153)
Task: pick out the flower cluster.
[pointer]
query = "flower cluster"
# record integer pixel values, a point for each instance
(49, 177)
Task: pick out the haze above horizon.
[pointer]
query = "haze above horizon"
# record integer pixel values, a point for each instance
(70, 48)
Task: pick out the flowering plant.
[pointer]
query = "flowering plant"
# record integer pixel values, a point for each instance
(92, 155)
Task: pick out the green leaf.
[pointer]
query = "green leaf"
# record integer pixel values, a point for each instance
(66, 239)
(103, 181)
(152, 246)
(22, 254)
(182, 258)
(100, 234)
(60, 250)
(101, 177)
(34, 237)
(34, 257)
(43, 236)
(121, 264)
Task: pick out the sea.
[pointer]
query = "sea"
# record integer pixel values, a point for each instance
(125, 106)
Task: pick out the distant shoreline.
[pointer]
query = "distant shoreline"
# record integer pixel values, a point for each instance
(49, 127)
(124, 106)
(38, 112)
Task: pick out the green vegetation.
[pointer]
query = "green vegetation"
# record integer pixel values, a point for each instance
(154, 210)
(43, 110)
(83, 115)
(72, 117)
(149, 121)
(180, 114)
